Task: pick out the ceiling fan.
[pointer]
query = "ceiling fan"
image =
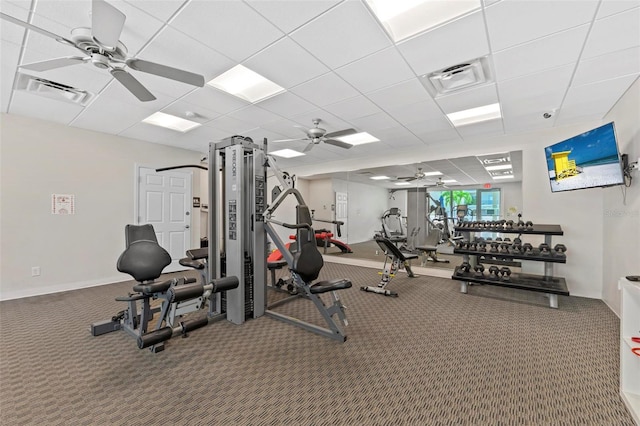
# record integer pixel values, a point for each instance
(416, 176)
(316, 135)
(101, 46)
(438, 184)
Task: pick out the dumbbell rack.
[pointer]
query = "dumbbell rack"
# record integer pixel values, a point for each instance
(547, 283)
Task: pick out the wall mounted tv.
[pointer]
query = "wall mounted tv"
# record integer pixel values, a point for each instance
(588, 160)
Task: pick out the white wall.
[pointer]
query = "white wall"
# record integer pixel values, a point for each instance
(40, 158)
(366, 205)
(621, 206)
(511, 197)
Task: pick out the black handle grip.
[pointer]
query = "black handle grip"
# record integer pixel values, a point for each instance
(224, 284)
(194, 324)
(154, 337)
(185, 292)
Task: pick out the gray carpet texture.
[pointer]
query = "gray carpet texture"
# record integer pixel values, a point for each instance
(432, 356)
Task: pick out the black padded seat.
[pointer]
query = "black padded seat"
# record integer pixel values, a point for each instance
(388, 247)
(195, 264)
(199, 253)
(427, 248)
(152, 288)
(143, 259)
(330, 285)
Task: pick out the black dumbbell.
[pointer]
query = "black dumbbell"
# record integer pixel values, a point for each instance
(529, 225)
(463, 269)
(479, 269)
(560, 249)
(506, 239)
(494, 272)
(504, 248)
(473, 246)
(516, 248)
(527, 249)
(520, 224)
(506, 273)
(517, 240)
(509, 224)
(545, 250)
(494, 247)
(482, 246)
(499, 239)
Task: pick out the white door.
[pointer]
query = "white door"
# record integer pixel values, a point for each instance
(164, 201)
(342, 210)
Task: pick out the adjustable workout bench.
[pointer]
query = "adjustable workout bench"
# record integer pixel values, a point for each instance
(144, 259)
(429, 250)
(394, 260)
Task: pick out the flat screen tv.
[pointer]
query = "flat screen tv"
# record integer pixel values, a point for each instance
(588, 160)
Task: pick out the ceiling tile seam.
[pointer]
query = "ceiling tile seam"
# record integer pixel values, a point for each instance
(628, 88)
(575, 67)
(301, 25)
(493, 69)
(25, 37)
(463, 172)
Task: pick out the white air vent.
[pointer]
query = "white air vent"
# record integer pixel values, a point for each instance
(51, 89)
(457, 77)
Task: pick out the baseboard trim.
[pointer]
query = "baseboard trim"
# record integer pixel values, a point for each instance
(58, 288)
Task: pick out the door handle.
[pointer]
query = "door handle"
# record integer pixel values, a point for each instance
(187, 227)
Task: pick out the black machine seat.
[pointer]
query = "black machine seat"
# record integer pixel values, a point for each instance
(143, 259)
(307, 261)
(391, 249)
(331, 285)
(199, 253)
(195, 264)
(276, 264)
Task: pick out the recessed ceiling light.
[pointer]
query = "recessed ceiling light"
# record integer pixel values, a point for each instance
(499, 167)
(358, 138)
(431, 173)
(403, 19)
(403, 183)
(240, 81)
(475, 115)
(379, 177)
(286, 153)
(502, 177)
(172, 122)
(449, 180)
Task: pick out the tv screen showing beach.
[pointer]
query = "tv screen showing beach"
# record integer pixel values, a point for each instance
(588, 160)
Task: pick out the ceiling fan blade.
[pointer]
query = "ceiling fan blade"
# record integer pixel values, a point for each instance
(132, 85)
(107, 23)
(54, 63)
(339, 133)
(338, 143)
(308, 147)
(165, 71)
(38, 30)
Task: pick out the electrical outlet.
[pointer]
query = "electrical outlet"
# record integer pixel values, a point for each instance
(35, 271)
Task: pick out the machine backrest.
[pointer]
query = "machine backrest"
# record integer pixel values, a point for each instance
(307, 261)
(143, 259)
(390, 249)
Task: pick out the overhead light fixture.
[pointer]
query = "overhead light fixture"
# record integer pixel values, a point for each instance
(448, 180)
(499, 167)
(431, 174)
(475, 115)
(403, 183)
(172, 122)
(379, 177)
(245, 84)
(358, 138)
(402, 19)
(286, 153)
(502, 177)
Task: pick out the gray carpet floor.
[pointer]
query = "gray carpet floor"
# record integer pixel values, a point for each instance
(432, 356)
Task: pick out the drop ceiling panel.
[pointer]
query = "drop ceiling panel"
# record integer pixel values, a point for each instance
(255, 115)
(543, 53)
(356, 107)
(286, 104)
(10, 31)
(8, 63)
(399, 95)
(453, 43)
(381, 69)
(287, 128)
(481, 130)
(373, 123)
(325, 90)
(31, 105)
(330, 122)
(286, 64)
(289, 15)
(471, 98)
(149, 133)
(181, 107)
(512, 22)
(258, 134)
(344, 34)
(610, 7)
(159, 9)
(109, 115)
(592, 101)
(230, 27)
(231, 125)
(213, 99)
(431, 125)
(169, 48)
(616, 32)
(415, 113)
(615, 64)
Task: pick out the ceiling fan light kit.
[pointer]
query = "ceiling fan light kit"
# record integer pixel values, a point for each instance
(105, 51)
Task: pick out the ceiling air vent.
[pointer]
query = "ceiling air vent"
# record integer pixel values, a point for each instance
(52, 89)
(457, 77)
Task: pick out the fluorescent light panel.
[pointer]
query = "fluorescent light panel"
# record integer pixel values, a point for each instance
(403, 183)
(172, 122)
(502, 177)
(449, 180)
(379, 177)
(405, 18)
(475, 115)
(245, 84)
(431, 173)
(287, 153)
(499, 167)
(358, 138)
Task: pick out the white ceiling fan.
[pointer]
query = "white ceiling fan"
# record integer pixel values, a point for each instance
(419, 174)
(438, 184)
(101, 46)
(316, 135)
